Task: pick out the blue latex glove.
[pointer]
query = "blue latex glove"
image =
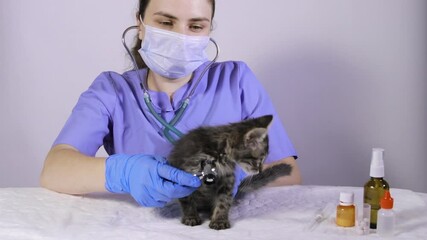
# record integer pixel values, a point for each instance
(239, 175)
(149, 179)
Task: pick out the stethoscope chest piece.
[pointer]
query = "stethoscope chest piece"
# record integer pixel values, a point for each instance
(208, 174)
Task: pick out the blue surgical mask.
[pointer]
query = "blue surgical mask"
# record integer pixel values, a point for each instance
(172, 55)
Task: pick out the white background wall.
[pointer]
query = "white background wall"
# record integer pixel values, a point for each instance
(345, 76)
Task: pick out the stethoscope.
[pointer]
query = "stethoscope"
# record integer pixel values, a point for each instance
(168, 126)
(207, 172)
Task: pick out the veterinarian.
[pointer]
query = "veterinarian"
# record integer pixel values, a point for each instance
(174, 77)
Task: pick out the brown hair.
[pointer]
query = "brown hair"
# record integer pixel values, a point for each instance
(141, 12)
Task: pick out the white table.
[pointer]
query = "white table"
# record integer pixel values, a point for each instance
(270, 213)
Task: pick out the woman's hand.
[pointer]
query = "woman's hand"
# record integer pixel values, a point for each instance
(149, 179)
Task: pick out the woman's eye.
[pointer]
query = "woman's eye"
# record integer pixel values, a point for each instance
(166, 23)
(196, 28)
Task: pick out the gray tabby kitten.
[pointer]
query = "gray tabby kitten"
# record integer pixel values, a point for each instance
(219, 149)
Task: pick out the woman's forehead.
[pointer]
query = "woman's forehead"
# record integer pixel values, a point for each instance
(180, 9)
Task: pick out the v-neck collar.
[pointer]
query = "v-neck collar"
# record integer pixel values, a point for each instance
(161, 101)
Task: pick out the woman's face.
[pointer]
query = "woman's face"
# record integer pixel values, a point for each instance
(189, 17)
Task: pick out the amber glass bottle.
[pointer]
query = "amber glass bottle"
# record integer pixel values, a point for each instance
(375, 188)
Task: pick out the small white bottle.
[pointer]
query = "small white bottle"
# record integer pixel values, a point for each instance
(386, 216)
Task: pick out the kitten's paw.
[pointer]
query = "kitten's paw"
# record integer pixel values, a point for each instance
(219, 224)
(191, 220)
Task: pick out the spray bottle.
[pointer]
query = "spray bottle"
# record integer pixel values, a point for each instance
(375, 188)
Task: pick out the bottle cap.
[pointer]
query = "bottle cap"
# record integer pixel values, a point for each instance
(387, 201)
(377, 163)
(346, 198)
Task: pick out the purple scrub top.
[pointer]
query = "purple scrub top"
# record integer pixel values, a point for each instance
(109, 112)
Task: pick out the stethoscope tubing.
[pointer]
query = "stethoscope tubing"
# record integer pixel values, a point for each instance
(168, 126)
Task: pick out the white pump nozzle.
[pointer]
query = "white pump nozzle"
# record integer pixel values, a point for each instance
(377, 163)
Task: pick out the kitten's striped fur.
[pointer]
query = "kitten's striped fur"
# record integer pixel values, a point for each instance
(244, 143)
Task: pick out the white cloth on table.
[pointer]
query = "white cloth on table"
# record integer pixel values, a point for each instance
(270, 213)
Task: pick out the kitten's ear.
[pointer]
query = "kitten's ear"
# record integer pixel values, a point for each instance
(265, 121)
(255, 137)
